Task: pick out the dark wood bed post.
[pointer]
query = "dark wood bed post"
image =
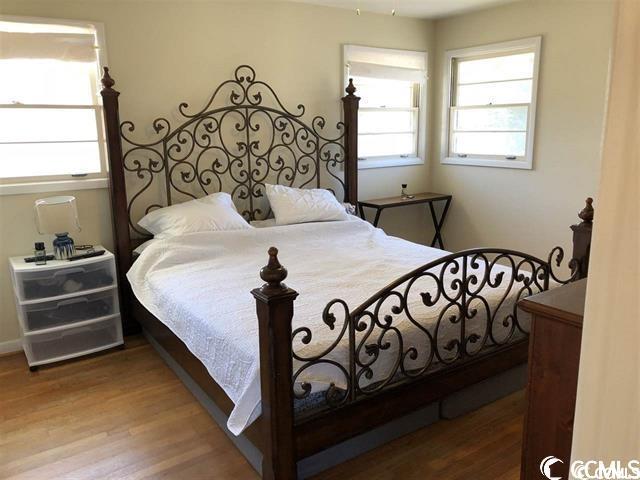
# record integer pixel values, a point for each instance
(274, 305)
(582, 240)
(117, 189)
(350, 104)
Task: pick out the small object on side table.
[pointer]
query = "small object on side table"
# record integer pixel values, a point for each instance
(58, 216)
(403, 193)
(429, 198)
(89, 254)
(554, 358)
(33, 259)
(40, 254)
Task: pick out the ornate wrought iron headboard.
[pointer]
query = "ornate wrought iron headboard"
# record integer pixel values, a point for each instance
(243, 138)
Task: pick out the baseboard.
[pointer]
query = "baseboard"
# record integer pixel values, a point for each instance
(11, 346)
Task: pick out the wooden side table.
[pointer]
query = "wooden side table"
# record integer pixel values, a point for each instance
(429, 198)
(554, 358)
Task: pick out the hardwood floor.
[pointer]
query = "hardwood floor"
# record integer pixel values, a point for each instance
(124, 414)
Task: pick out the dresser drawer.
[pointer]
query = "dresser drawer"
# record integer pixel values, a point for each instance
(49, 314)
(73, 342)
(34, 285)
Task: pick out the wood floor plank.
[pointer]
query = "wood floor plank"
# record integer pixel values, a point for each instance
(481, 446)
(123, 414)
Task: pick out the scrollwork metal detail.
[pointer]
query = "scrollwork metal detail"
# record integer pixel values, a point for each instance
(445, 312)
(556, 256)
(243, 138)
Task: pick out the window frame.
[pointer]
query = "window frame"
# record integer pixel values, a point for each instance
(56, 183)
(422, 128)
(530, 44)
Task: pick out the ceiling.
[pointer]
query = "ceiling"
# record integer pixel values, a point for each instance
(411, 8)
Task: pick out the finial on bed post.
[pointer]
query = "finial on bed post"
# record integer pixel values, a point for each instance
(350, 103)
(273, 273)
(117, 188)
(351, 89)
(107, 81)
(274, 305)
(586, 214)
(582, 241)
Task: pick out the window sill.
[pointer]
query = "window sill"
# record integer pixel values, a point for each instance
(389, 162)
(524, 164)
(53, 186)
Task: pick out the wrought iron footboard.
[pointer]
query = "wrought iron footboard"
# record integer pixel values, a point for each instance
(439, 315)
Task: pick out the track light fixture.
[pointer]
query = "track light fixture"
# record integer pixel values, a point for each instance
(393, 10)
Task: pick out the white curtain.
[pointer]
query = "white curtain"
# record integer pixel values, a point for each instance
(410, 59)
(386, 63)
(75, 47)
(607, 421)
(372, 70)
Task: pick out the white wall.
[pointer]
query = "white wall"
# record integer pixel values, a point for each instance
(531, 210)
(163, 53)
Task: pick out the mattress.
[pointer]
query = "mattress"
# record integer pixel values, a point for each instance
(199, 286)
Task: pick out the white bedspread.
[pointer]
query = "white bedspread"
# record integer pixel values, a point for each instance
(199, 286)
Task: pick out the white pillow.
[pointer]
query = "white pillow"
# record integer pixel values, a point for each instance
(300, 205)
(214, 212)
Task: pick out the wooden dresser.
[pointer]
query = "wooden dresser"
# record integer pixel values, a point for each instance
(554, 356)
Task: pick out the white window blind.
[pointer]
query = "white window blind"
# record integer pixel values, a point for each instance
(50, 116)
(391, 85)
(492, 104)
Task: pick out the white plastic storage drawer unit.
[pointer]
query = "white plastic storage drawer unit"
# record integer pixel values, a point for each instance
(67, 309)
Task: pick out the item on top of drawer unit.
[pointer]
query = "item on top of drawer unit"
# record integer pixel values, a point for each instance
(89, 254)
(59, 216)
(40, 254)
(33, 259)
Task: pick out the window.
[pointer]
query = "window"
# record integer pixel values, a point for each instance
(392, 114)
(50, 115)
(490, 117)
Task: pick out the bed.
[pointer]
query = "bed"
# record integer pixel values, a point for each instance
(382, 327)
